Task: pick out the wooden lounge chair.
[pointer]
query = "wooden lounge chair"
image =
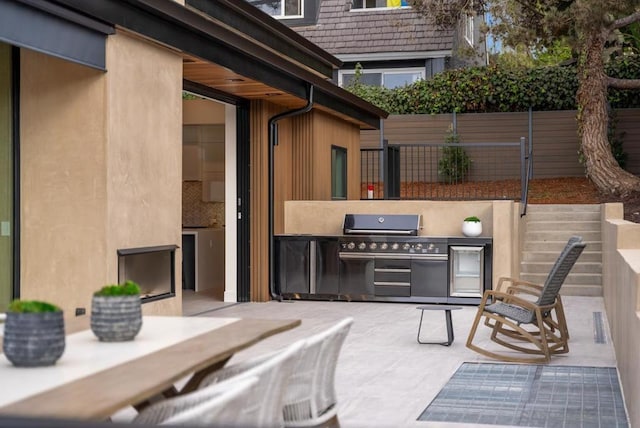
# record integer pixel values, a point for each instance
(528, 317)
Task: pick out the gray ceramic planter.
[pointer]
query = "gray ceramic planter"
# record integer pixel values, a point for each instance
(33, 339)
(116, 318)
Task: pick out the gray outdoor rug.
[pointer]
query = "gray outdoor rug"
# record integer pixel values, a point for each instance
(530, 395)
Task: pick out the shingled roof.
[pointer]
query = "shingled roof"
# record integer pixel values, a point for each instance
(341, 31)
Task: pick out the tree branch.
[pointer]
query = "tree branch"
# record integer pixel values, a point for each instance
(623, 83)
(623, 22)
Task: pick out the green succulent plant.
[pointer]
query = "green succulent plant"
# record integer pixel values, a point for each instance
(129, 288)
(32, 306)
(473, 219)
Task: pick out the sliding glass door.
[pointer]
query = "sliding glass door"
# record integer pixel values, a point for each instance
(6, 178)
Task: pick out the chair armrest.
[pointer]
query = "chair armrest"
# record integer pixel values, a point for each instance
(510, 299)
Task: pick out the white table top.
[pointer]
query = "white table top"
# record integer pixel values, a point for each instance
(93, 379)
(84, 355)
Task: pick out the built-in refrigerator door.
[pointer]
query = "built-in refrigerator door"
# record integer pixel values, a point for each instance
(466, 274)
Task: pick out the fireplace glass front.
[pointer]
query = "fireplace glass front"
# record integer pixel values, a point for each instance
(153, 268)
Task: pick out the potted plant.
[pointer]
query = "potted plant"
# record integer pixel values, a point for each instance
(472, 226)
(33, 333)
(116, 313)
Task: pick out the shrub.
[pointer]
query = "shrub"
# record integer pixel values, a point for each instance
(454, 164)
(32, 306)
(129, 288)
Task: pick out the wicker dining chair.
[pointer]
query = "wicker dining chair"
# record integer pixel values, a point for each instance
(265, 410)
(212, 406)
(528, 317)
(310, 397)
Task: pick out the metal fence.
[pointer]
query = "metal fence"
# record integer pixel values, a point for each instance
(457, 171)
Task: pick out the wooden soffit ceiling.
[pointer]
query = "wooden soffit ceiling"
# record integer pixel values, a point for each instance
(225, 80)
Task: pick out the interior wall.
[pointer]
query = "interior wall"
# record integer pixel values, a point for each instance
(63, 181)
(144, 154)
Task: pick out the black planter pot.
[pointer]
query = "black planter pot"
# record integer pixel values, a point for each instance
(116, 318)
(33, 339)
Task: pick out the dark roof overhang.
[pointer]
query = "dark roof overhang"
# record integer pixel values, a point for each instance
(257, 24)
(198, 35)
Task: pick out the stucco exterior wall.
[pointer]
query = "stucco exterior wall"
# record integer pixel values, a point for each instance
(438, 219)
(621, 289)
(63, 187)
(144, 154)
(100, 169)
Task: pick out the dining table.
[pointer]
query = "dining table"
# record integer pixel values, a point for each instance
(93, 380)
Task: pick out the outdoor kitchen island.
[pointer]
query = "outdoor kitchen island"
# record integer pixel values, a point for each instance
(382, 258)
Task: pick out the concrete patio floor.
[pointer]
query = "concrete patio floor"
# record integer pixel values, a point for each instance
(384, 377)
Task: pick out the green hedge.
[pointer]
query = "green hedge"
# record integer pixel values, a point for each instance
(494, 89)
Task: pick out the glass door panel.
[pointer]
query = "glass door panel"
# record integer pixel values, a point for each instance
(6, 179)
(466, 271)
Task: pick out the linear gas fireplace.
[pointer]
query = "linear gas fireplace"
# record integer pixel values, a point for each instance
(153, 268)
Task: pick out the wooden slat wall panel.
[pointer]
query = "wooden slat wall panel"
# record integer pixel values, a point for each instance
(555, 139)
(260, 112)
(330, 131)
(302, 154)
(302, 171)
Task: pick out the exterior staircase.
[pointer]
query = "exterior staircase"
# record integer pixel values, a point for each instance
(547, 229)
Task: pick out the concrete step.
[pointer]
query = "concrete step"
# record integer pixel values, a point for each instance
(535, 208)
(561, 235)
(551, 256)
(579, 267)
(548, 227)
(572, 278)
(563, 216)
(581, 290)
(558, 245)
(574, 226)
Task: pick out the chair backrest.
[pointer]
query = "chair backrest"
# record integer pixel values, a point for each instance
(560, 270)
(219, 409)
(311, 390)
(273, 377)
(232, 389)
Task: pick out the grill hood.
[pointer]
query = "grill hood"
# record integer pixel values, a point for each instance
(381, 224)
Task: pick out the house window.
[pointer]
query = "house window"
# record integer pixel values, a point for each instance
(280, 8)
(468, 29)
(378, 4)
(338, 172)
(391, 78)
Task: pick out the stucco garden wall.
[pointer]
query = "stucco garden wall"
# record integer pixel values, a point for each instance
(621, 285)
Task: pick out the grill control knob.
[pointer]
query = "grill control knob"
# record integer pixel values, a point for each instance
(362, 246)
(395, 246)
(406, 246)
(373, 246)
(384, 246)
(418, 246)
(351, 245)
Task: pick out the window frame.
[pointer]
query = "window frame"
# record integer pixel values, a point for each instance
(282, 8)
(344, 172)
(469, 28)
(371, 9)
(382, 72)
